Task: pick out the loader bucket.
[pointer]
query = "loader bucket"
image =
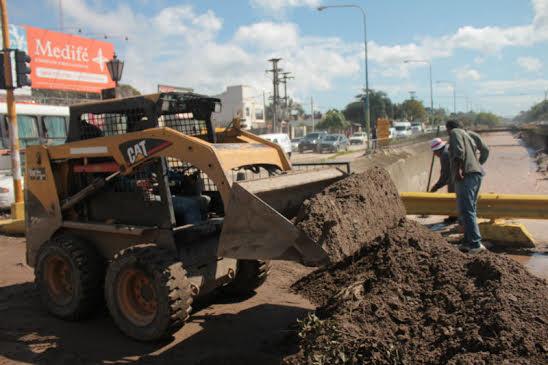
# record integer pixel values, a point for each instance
(256, 224)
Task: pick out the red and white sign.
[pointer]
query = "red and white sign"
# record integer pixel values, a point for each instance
(67, 62)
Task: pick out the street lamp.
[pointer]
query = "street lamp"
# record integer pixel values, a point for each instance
(115, 68)
(454, 93)
(366, 100)
(431, 88)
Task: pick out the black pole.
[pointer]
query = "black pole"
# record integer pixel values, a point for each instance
(432, 164)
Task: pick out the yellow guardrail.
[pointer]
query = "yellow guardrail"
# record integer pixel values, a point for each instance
(489, 205)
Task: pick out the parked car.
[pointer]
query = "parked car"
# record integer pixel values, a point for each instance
(416, 128)
(295, 144)
(402, 129)
(333, 143)
(7, 197)
(281, 139)
(358, 138)
(310, 141)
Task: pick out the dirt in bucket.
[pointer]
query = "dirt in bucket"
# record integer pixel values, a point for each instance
(409, 297)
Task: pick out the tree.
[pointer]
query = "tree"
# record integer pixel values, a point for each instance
(380, 106)
(333, 121)
(538, 112)
(488, 119)
(293, 109)
(412, 110)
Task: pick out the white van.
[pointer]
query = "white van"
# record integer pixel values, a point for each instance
(402, 129)
(281, 139)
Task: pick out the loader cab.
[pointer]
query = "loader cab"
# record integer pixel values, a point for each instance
(165, 191)
(187, 113)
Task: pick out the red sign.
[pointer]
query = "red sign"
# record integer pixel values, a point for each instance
(67, 62)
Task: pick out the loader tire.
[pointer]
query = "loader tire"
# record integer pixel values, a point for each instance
(250, 274)
(69, 277)
(147, 292)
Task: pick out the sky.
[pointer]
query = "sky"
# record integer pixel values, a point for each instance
(493, 51)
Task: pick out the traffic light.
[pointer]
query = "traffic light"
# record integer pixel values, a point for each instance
(22, 69)
(3, 85)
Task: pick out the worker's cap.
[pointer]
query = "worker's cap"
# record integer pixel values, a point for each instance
(437, 144)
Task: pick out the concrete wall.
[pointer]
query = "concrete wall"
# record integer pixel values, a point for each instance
(536, 138)
(408, 166)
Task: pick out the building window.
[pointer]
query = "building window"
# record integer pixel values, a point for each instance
(258, 114)
(247, 112)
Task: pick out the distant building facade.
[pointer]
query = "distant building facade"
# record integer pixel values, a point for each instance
(242, 101)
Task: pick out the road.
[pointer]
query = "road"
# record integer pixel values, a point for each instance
(253, 330)
(353, 152)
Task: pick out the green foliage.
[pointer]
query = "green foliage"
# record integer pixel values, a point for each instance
(488, 119)
(411, 110)
(128, 90)
(333, 121)
(294, 109)
(380, 106)
(538, 112)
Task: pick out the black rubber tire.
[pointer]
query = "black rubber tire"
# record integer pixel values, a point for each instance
(172, 288)
(86, 279)
(301, 150)
(250, 274)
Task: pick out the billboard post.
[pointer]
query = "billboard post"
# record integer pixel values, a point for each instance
(12, 117)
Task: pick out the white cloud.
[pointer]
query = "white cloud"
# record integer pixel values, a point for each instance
(467, 73)
(277, 5)
(268, 35)
(530, 64)
(179, 45)
(485, 39)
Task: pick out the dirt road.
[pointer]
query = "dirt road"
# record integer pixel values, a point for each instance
(252, 330)
(248, 332)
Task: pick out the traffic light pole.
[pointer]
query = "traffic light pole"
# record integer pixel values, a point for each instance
(12, 116)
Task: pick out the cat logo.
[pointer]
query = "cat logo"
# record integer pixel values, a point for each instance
(137, 150)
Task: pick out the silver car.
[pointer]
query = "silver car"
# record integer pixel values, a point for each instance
(333, 143)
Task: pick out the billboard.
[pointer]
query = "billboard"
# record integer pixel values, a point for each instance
(63, 61)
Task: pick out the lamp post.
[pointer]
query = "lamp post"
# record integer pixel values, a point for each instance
(431, 88)
(366, 99)
(115, 67)
(454, 93)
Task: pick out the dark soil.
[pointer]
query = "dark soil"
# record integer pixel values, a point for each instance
(409, 297)
(351, 212)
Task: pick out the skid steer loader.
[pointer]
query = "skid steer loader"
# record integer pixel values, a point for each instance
(147, 206)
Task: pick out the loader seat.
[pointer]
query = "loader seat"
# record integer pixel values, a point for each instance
(189, 204)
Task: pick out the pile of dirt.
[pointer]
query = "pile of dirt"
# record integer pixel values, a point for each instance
(351, 212)
(409, 297)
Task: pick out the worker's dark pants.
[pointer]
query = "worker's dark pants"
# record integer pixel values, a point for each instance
(467, 198)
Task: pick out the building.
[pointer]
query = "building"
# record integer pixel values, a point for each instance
(242, 101)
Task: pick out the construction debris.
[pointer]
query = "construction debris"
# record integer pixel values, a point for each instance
(408, 296)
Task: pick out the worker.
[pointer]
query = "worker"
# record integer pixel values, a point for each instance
(467, 173)
(441, 151)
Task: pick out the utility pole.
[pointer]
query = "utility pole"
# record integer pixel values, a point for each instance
(285, 77)
(12, 115)
(312, 111)
(264, 107)
(275, 94)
